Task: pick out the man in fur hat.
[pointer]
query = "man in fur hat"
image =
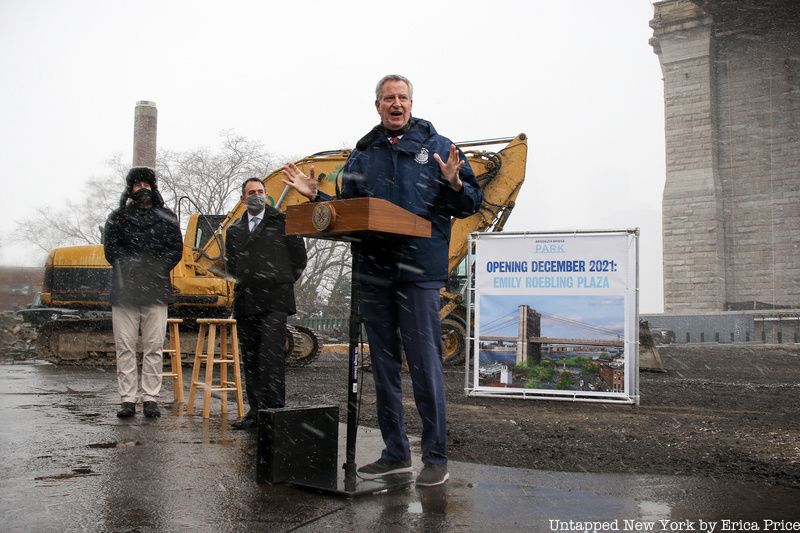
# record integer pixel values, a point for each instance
(142, 242)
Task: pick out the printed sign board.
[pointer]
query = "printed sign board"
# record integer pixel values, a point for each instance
(555, 315)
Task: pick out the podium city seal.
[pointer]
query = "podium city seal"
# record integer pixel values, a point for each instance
(323, 216)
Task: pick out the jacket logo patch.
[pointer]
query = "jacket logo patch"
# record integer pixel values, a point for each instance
(422, 156)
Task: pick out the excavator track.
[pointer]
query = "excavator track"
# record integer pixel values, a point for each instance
(77, 342)
(91, 342)
(303, 346)
(454, 340)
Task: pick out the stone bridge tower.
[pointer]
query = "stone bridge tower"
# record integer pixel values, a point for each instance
(731, 206)
(530, 326)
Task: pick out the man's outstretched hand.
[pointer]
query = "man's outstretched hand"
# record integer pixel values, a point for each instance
(451, 168)
(305, 185)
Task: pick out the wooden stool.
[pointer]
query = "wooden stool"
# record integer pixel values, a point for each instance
(174, 351)
(227, 331)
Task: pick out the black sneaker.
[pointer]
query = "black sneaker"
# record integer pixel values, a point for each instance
(432, 475)
(151, 410)
(382, 467)
(127, 411)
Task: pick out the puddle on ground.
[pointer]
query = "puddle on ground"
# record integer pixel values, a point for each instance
(76, 472)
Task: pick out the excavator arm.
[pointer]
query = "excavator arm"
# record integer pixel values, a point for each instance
(500, 175)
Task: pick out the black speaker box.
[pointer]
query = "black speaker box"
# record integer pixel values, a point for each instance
(298, 444)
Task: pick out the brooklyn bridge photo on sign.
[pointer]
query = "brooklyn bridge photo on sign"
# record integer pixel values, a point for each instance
(552, 342)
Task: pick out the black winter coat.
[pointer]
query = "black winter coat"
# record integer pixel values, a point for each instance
(265, 265)
(142, 246)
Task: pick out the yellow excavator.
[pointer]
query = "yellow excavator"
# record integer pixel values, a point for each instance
(77, 277)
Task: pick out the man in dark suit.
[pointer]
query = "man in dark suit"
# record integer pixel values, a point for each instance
(265, 264)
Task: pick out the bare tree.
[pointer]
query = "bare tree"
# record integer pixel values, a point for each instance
(212, 179)
(328, 264)
(78, 222)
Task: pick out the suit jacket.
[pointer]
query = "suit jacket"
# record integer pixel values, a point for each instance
(264, 264)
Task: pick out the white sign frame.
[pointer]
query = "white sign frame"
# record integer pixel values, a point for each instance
(612, 256)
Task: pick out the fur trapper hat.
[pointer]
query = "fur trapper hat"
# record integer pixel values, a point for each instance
(145, 174)
(137, 174)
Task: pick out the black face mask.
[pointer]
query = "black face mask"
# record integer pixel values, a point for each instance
(143, 198)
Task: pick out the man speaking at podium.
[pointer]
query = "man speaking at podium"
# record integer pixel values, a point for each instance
(403, 160)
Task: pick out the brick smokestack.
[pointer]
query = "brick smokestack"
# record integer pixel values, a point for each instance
(145, 123)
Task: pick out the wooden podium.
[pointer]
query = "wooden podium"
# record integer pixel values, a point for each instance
(346, 220)
(352, 220)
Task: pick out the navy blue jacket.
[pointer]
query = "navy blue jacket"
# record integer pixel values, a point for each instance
(407, 175)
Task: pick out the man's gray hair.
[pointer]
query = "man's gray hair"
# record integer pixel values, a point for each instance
(393, 77)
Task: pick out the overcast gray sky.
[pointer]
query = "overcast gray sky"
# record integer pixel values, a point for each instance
(578, 77)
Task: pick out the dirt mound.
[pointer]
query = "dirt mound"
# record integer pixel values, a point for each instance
(17, 338)
(722, 411)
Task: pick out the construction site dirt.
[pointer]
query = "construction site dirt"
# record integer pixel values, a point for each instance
(727, 412)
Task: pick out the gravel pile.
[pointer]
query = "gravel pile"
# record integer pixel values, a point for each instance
(17, 338)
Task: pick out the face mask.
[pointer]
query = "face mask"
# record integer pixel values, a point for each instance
(255, 203)
(142, 198)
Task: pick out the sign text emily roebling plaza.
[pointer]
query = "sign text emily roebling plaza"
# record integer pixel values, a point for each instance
(673, 525)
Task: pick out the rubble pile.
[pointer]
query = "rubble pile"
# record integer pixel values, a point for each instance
(17, 338)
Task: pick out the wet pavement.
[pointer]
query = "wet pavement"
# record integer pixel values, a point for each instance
(71, 465)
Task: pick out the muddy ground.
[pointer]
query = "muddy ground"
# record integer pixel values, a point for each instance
(719, 411)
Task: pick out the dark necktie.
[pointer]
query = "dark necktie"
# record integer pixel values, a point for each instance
(254, 224)
(394, 139)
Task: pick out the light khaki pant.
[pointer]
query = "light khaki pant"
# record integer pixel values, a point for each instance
(127, 320)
